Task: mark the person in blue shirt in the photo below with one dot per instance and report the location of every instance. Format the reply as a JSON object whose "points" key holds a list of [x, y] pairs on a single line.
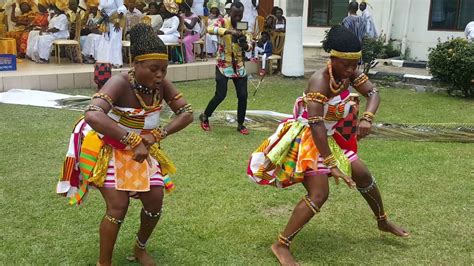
{"points": [[264, 49]]}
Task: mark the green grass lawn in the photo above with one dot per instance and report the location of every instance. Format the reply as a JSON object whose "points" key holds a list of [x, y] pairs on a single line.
{"points": [[216, 216]]}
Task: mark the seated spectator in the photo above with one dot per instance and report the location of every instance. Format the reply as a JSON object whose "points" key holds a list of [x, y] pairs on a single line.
{"points": [[90, 34], [72, 13], [169, 33], [280, 23], [141, 6], [156, 21], [263, 49], [40, 42], [211, 39], [227, 9], [192, 31], [277, 34], [21, 23], [132, 15], [270, 20]]}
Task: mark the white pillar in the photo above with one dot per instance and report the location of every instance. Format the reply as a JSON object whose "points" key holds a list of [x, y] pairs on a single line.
{"points": [[293, 58]]}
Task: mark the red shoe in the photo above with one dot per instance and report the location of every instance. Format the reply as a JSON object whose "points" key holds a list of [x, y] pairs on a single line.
{"points": [[243, 130], [204, 123], [262, 72]]}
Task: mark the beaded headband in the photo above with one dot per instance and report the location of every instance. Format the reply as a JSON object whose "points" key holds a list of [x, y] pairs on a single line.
{"points": [[346, 55], [153, 56]]}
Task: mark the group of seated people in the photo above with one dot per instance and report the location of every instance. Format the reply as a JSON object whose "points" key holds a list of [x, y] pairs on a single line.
{"points": [[40, 24], [271, 40]]}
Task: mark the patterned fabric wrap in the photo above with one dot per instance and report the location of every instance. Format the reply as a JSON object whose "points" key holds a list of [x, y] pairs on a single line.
{"points": [[102, 73], [94, 159], [289, 154]]}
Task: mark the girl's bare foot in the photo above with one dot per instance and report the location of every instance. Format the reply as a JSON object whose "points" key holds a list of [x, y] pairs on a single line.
{"points": [[386, 226], [143, 257], [283, 254]]}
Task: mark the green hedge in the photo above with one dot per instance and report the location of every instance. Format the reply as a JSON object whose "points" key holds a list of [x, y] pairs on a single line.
{"points": [[452, 62]]}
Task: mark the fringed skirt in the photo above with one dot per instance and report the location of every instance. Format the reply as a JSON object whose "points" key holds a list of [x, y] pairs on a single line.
{"points": [[94, 160], [290, 155]]}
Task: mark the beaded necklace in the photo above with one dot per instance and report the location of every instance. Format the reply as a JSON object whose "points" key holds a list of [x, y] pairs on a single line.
{"points": [[335, 87], [137, 89], [136, 85]]}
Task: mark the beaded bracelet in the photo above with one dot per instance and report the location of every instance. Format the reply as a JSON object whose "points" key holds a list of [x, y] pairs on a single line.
{"points": [[131, 139], [368, 116], [315, 119], [92, 107], [188, 108], [330, 161], [159, 134]]}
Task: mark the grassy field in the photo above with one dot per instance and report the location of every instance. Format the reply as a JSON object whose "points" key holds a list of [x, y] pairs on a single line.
{"points": [[216, 216]]}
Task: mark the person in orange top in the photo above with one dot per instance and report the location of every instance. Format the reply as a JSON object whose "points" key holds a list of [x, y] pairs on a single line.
{"points": [[40, 21], [21, 22]]}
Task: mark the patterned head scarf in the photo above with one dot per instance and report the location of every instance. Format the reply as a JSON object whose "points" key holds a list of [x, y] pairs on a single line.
{"points": [[62, 5], [171, 6], [92, 3]]}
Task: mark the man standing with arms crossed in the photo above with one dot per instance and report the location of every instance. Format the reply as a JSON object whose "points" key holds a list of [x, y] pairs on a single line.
{"points": [[230, 65]]}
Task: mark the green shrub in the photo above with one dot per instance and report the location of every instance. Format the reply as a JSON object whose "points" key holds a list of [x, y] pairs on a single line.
{"points": [[389, 51], [372, 48], [452, 62]]}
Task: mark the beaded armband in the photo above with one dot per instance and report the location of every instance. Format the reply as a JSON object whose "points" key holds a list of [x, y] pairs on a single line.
{"points": [[368, 116], [188, 108], [372, 92], [176, 97], [104, 97], [159, 133], [330, 161], [315, 119], [94, 108], [361, 79], [316, 97], [131, 139]]}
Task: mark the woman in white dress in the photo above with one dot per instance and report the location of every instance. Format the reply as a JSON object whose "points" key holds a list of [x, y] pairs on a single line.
{"points": [[169, 32], [154, 15], [90, 42], [40, 43], [110, 46]]}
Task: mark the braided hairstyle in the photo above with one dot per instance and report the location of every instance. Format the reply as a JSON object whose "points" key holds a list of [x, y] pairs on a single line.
{"points": [[143, 40], [341, 39]]}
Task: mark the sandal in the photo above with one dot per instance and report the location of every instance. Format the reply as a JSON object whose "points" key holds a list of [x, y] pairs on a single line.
{"points": [[243, 130], [204, 123]]}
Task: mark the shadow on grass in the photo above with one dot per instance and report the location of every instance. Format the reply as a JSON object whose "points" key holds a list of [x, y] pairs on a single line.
{"points": [[329, 246]]}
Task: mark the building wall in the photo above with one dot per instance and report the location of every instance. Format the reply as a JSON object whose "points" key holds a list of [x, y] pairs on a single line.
{"points": [[419, 38]]}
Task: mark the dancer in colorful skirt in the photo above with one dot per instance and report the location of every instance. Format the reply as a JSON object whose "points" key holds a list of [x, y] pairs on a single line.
{"points": [[116, 146], [311, 146]]}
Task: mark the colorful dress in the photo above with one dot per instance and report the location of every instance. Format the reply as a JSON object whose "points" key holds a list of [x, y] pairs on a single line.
{"points": [[19, 30], [97, 160], [287, 156], [230, 59], [41, 21]]}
